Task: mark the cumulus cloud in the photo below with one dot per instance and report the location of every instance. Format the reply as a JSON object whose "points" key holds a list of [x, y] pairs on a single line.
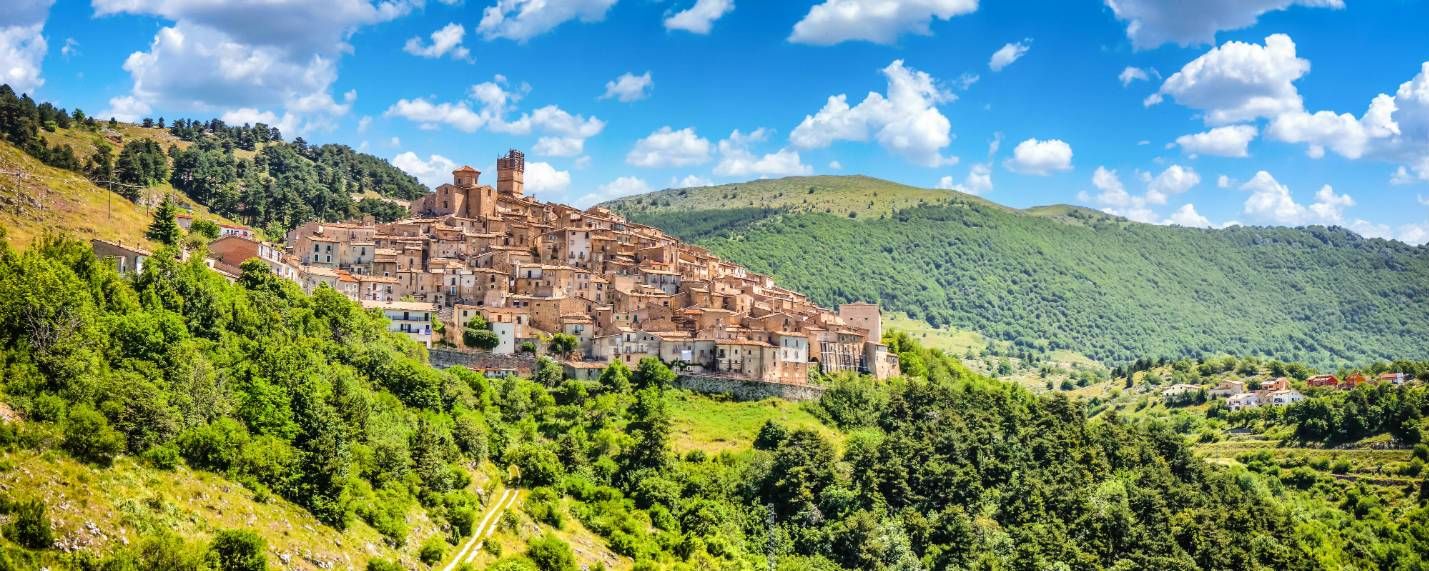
{"points": [[699, 18], [877, 21], [1008, 53], [1040, 158], [667, 147], [1224, 181], [489, 105], [978, 181], [629, 87], [622, 186], [1272, 201], [1176, 179], [1238, 81], [1228, 141], [1131, 74], [542, 177], [1114, 198], [22, 44], [222, 55], [691, 181], [522, 20], [736, 159], [1151, 23], [906, 121], [445, 41], [434, 171], [1187, 216]]}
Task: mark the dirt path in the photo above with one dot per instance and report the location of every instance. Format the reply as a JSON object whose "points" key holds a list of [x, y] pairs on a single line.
{"points": [[472, 546]]}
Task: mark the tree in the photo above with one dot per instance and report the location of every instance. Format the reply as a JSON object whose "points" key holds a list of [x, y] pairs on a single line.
{"points": [[615, 377], [549, 372], [239, 550], [88, 436], [31, 526], [205, 228], [478, 334], [652, 372], [165, 227], [563, 344]]}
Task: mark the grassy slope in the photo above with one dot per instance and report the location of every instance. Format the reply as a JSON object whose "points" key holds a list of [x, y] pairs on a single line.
{"points": [[863, 196], [130, 498], [714, 425], [1068, 278], [45, 197]]}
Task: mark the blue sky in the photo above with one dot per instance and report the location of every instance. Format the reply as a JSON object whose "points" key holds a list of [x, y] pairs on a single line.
{"points": [[1199, 113]]}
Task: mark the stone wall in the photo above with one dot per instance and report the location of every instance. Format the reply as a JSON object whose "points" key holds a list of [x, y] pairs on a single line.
{"points": [[445, 357], [744, 389]]}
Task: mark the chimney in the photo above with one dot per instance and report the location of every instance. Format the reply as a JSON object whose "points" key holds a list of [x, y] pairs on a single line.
{"points": [[511, 173]]}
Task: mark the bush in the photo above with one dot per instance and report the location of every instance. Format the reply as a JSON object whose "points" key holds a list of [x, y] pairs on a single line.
{"points": [[31, 527], [213, 446], [239, 550], [88, 437], [383, 565], [165, 457], [1340, 466], [549, 553], [432, 551]]}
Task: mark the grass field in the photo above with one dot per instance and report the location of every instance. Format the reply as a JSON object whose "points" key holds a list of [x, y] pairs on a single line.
{"points": [[714, 425], [842, 196], [100, 508]]}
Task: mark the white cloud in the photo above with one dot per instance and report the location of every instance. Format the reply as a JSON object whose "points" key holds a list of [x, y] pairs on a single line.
{"points": [[836, 166], [1131, 74], [691, 181], [1271, 201], [1238, 81], [699, 18], [126, 108], [364, 123], [1224, 181], [542, 177], [736, 160], [978, 181], [945, 183], [1150, 23], [1040, 158], [446, 40], [629, 87], [878, 21], [1176, 179], [667, 147], [22, 44], [489, 106], [228, 55], [1228, 141], [1401, 177], [430, 115], [522, 20], [433, 172], [1188, 217], [906, 122], [70, 48], [622, 186], [1008, 54]]}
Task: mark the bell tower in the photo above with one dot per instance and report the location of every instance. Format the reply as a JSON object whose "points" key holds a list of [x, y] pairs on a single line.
{"points": [[511, 173]]}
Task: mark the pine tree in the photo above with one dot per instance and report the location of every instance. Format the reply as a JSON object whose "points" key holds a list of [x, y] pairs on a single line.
{"points": [[165, 229]]}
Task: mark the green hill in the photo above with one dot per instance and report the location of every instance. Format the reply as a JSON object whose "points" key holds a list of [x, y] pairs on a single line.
{"points": [[1061, 277]]}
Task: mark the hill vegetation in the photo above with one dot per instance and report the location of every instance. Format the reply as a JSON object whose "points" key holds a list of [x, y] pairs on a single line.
{"points": [[1064, 278]]}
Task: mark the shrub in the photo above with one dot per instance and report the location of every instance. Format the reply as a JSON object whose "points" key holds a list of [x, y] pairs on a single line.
{"points": [[88, 436], [549, 553], [31, 527], [1340, 466], [432, 550], [214, 446], [239, 550], [165, 457], [383, 565]]}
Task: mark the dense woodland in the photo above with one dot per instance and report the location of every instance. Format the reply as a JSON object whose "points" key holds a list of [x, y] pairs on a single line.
{"points": [[244, 172], [309, 398], [1083, 281]]}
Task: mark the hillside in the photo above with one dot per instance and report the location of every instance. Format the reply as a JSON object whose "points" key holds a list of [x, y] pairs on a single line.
{"points": [[1055, 278]]}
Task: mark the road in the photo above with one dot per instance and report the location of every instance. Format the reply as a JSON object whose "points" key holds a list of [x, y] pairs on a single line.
{"points": [[472, 546]]}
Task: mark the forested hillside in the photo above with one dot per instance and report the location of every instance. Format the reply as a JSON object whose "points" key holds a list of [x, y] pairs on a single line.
{"points": [[308, 398], [1068, 278], [247, 173]]}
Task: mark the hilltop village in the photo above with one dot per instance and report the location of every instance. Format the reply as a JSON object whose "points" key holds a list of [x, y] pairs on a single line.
{"points": [[530, 270]]}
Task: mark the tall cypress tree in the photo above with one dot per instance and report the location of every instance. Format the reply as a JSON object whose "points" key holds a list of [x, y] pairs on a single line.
{"points": [[165, 228]]}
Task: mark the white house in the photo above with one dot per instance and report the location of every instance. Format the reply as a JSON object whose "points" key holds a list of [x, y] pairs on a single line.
{"points": [[1243, 400], [1285, 397], [413, 318]]}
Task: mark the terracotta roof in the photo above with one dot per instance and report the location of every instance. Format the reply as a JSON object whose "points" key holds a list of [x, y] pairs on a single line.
{"points": [[465, 168]]}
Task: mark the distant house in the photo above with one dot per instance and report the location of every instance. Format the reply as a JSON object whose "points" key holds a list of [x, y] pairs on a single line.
{"points": [[1243, 400], [1180, 390], [1396, 378], [1353, 380], [1283, 398], [1323, 381], [1227, 388], [409, 317], [126, 259], [1279, 384]]}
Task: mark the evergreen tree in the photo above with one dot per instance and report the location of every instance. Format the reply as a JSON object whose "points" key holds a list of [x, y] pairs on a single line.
{"points": [[165, 227]]}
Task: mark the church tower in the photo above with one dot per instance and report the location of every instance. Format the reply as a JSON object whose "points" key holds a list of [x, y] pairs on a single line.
{"points": [[511, 173]]}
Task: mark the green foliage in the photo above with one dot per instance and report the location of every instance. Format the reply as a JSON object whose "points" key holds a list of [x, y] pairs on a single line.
{"points": [[30, 525], [205, 228], [432, 550], [549, 553], [165, 228], [88, 436], [479, 335], [239, 550], [615, 377], [563, 344], [652, 373], [1073, 279], [548, 372], [383, 565]]}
